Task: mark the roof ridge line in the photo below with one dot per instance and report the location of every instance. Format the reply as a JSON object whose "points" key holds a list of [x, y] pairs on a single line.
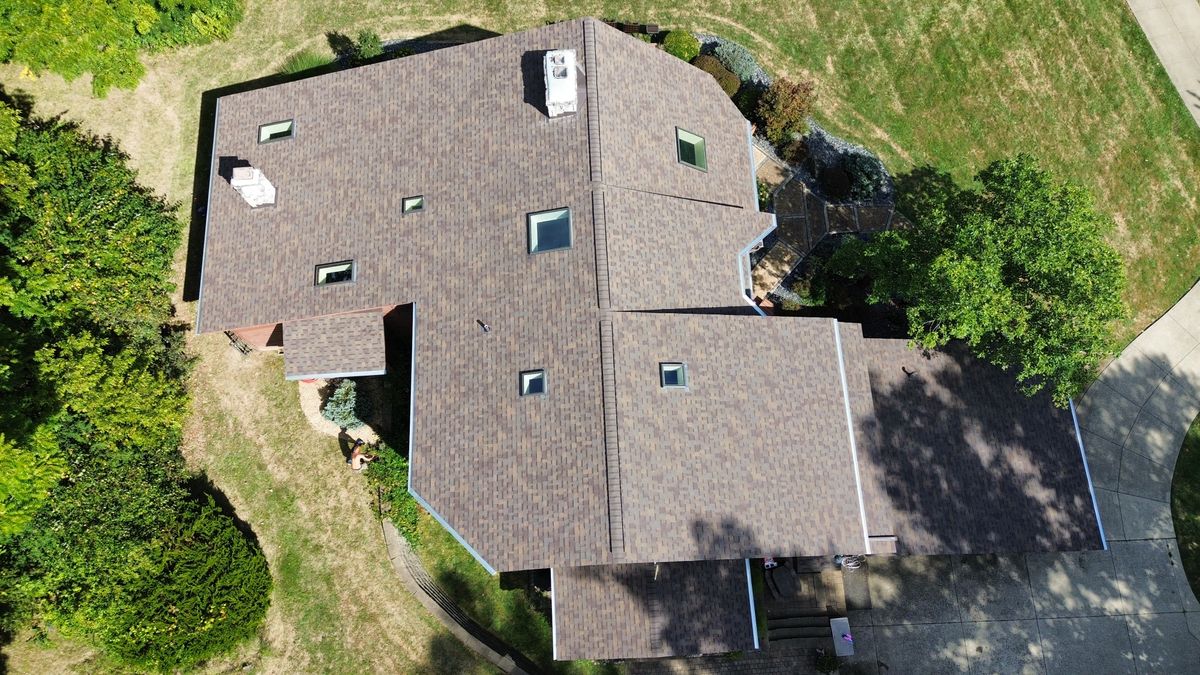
{"points": [[591, 74], [612, 445]]}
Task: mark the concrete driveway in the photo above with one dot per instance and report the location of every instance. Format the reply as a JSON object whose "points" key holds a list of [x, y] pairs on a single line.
{"points": [[1173, 28]]}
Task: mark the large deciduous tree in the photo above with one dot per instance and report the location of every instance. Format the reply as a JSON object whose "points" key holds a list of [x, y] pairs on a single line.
{"points": [[1017, 267]]}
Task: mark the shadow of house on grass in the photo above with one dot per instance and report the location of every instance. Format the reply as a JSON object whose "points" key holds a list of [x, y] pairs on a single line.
{"points": [[202, 166]]}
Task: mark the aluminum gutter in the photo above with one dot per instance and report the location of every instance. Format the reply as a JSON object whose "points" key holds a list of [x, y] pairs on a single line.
{"points": [[1087, 472], [749, 590], [862, 508], [742, 271], [553, 620], [330, 376], [753, 169]]}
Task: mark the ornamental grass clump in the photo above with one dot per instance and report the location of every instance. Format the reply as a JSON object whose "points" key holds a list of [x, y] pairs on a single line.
{"points": [[737, 59], [303, 61]]}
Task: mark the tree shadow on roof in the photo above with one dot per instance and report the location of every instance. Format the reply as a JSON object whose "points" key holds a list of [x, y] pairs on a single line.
{"points": [[694, 607], [960, 461], [202, 167]]}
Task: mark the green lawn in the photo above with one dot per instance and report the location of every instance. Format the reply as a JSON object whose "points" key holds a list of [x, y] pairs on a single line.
{"points": [[510, 614], [921, 82], [1185, 505], [958, 84]]}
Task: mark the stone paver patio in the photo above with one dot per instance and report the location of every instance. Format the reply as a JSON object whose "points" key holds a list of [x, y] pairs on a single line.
{"points": [[1125, 610]]}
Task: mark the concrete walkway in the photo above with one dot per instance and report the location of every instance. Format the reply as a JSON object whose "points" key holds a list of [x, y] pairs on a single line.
{"points": [[1125, 610], [1173, 28]]}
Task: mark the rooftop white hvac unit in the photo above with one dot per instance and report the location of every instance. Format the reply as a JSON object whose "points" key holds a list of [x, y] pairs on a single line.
{"points": [[253, 186], [560, 82]]}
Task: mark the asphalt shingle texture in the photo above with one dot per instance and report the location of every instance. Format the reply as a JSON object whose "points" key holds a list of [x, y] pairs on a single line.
{"points": [[622, 611], [963, 462], [523, 480], [752, 458], [341, 345]]}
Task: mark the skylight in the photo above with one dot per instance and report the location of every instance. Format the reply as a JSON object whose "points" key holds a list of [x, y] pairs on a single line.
{"points": [[549, 230], [275, 131], [672, 375], [533, 383], [413, 204], [335, 273], [691, 149]]}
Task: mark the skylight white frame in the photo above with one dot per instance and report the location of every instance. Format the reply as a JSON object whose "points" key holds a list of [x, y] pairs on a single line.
{"points": [[680, 367], [533, 220], [338, 266], [528, 376], [265, 131]]}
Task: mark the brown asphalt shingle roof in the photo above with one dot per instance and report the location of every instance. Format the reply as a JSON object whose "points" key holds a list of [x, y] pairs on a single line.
{"points": [[961, 462], [524, 481], [752, 458], [755, 458], [622, 611], [660, 241], [341, 345]]}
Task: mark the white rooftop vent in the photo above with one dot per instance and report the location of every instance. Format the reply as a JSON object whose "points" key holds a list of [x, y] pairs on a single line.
{"points": [[560, 82], [253, 186]]}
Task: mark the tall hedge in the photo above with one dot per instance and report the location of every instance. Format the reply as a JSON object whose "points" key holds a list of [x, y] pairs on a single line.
{"points": [[202, 589], [103, 37], [101, 533]]}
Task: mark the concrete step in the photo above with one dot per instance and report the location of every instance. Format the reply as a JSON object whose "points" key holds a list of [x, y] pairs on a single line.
{"points": [[799, 632], [790, 610], [798, 622], [802, 643]]}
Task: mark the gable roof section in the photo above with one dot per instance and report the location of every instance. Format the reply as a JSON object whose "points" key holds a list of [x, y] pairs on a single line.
{"points": [[623, 611], [462, 127], [645, 94], [960, 461], [345, 345], [656, 245], [725, 468], [365, 138]]}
